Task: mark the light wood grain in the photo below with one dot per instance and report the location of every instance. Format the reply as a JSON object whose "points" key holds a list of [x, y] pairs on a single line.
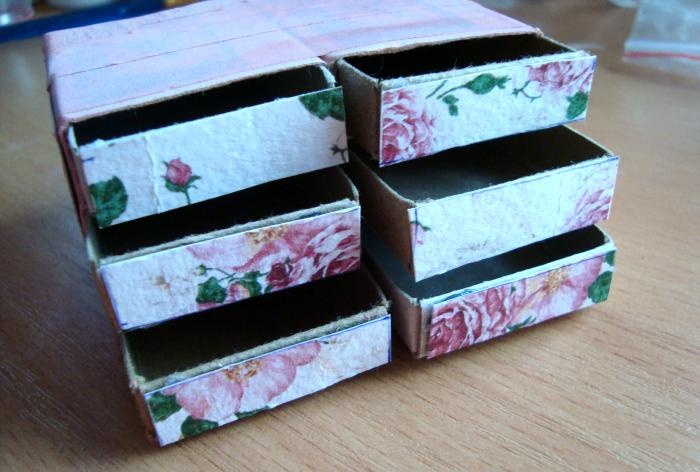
{"points": [[615, 387]]}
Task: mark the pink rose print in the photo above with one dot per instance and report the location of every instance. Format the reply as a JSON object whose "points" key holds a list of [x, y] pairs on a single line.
{"points": [[178, 173], [406, 127], [286, 256], [561, 290], [279, 275], [484, 315], [447, 332], [251, 385], [334, 251], [178, 177], [213, 397], [590, 209], [567, 76]]}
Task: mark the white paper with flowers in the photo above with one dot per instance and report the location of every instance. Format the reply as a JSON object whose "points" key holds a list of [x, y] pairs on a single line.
{"points": [[450, 232], [249, 387], [494, 311], [185, 279], [488, 102], [170, 167]]}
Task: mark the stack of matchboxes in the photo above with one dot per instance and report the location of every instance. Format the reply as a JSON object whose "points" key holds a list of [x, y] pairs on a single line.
{"points": [[225, 237], [480, 204]]}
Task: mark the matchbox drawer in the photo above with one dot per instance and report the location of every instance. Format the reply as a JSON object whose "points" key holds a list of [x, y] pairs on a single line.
{"points": [[198, 373], [496, 296], [478, 201], [156, 157], [278, 235], [417, 101]]}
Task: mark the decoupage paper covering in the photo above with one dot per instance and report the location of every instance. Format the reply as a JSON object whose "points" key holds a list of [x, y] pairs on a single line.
{"points": [[186, 279], [167, 168], [425, 118], [221, 41], [249, 387], [477, 317], [453, 231]]}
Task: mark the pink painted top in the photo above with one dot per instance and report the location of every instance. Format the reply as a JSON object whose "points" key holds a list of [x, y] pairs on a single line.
{"points": [[108, 67]]}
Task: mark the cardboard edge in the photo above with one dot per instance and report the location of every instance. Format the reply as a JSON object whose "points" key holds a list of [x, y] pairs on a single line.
{"points": [[137, 394], [361, 95], [405, 310], [386, 211]]}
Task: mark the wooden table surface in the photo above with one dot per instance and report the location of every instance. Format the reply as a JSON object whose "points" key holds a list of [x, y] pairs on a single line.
{"points": [[615, 387]]}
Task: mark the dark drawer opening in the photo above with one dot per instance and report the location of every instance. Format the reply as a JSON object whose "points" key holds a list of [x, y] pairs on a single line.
{"points": [[455, 55], [210, 102]]}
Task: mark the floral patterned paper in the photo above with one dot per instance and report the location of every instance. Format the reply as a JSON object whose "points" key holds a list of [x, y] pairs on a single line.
{"points": [[231, 268], [179, 178], [289, 255], [249, 387], [449, 232], [173, 166], [423, 119], [484, 315]]}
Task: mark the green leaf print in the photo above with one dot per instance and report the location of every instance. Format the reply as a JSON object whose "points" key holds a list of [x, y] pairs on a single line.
{"points": [[110, 198], [484, 83], [211, 292], [325, 103], [250, 282], [577, 105], [480, 85], [451, 102], [598, 291], [162, 406], [610, 258], [191, 426], [245, 414], [526, 322]]}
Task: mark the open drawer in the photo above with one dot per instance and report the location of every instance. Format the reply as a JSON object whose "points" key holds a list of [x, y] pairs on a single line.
{"points": [[277, 235], [477, 201], [197, 373], [495, 296], [154, 157], [410, 103]]}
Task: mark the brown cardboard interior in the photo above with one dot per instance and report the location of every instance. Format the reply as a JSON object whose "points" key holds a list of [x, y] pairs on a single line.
{"points": [[274, 198], [454, 55], [202, 104], [534, 255], [488, 163], [273, 321]]}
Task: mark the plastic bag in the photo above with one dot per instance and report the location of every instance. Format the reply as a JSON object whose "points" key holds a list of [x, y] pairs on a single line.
{"points": [[666, 36]]}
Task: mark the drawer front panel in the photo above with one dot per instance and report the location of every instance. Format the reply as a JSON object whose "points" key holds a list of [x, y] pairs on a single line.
{"points": [[454, 231], [477, 317], [423, 119], [174, 166], [249, 387], [155, 287]]}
